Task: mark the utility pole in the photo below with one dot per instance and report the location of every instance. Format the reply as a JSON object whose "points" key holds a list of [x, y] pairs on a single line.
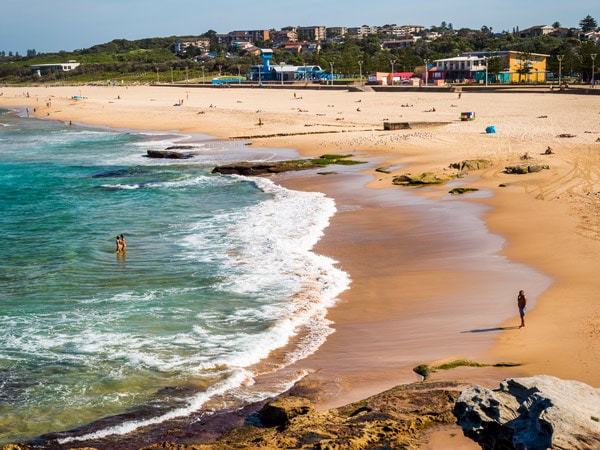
{"points": [[593, 55]]}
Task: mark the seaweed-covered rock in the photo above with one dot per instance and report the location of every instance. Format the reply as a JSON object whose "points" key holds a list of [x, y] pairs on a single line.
{"points": [[253, 169], [462, 190], [408, 179]]}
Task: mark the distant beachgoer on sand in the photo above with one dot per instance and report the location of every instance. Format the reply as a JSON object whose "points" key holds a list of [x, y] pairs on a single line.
{"points": [[522, 304]]}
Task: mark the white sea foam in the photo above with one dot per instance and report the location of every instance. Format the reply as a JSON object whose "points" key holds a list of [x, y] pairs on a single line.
{"points": [[266, 252]]}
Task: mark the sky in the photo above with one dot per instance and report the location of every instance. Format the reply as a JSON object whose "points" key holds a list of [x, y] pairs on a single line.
{"points": [[54, 25]]}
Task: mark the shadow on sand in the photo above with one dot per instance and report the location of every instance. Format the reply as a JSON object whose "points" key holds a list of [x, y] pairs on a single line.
{"points": [[487, 330]]}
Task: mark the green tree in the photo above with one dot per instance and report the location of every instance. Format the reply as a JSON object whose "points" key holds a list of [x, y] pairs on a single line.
{"points": [[495, 65], [524, 67], [588, 23]]}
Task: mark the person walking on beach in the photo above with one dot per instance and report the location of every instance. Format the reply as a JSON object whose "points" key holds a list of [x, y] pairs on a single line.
{"points": [[522, 304]]}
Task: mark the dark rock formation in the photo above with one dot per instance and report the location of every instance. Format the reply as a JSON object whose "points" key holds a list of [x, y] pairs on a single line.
{"points": [[253, 169], [535, 413], [168, 154], [524, 168], [462, 190], [279, 412], [390, 126]]}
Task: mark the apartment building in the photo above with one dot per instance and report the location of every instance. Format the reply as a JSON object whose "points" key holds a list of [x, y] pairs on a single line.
{"points": [[312, 33], [362, 31]]}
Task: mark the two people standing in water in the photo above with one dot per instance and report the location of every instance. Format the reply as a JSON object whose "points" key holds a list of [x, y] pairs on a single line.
{"points": [[121, 244]]}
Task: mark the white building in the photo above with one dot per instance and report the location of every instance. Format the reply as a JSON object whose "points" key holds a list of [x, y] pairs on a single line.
{"points": [[43, 69]]}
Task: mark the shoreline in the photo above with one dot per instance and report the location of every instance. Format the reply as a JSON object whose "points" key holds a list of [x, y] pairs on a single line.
{"points": [[365, 313]]}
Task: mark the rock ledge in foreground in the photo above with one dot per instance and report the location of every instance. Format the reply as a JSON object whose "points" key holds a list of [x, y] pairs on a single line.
{"points": [[535, 413]]}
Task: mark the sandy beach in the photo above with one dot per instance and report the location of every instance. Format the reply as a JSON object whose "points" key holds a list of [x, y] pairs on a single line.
{"points": [[449, 291]]}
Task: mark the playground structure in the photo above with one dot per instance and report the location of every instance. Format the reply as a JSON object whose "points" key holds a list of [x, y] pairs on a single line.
{"points": [[284, 72]]}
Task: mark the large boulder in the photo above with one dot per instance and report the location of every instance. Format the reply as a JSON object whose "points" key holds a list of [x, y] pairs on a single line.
{"points": [[535, 413], [280, 411], [525, 168], [471, 164]]}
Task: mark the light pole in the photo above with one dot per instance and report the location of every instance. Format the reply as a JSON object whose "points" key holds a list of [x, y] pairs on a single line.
{"points": [[392, 61], [560, 58], [331, 63], [157, 78], [220, 67], [426, 62], [485, 61], [239, 75], [593, 55], [305, 74], [171, 75], [282, 65], [360, 63], [259, 79], [202, 73]]}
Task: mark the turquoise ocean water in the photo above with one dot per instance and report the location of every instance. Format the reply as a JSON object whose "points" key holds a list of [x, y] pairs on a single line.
{"points": [[218, 273]]}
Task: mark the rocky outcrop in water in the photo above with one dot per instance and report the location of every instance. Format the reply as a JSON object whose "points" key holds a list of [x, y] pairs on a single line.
{"points": [[253, 169], [170, 154], [535, 413]]}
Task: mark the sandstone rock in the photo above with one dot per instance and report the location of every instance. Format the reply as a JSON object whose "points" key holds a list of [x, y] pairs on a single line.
{"points": [[422, 179], [279, 412], [535, 413], [524, 168], [393, 419], [472, 164], [537, 168]]}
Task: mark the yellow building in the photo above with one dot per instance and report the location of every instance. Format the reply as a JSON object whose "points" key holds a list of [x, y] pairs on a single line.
{"points": [[523, 67], [516, 67]]}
